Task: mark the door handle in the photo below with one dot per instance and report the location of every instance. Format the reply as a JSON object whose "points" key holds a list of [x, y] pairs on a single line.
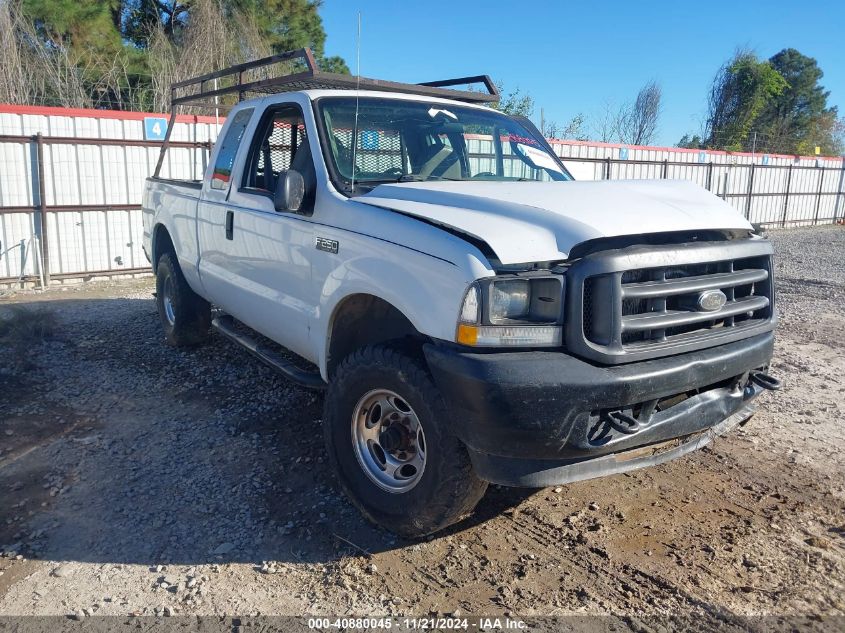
{"points": [[230, 223]]}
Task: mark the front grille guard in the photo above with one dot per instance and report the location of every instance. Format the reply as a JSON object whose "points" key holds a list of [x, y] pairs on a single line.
{"points": [[590, 321]]}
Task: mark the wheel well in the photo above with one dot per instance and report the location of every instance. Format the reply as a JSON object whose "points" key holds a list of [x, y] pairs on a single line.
{"points": [[161, 244], [364, 319]]}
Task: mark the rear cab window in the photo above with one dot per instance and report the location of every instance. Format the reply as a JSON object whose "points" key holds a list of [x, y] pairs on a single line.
{"points": [[222, 174]]}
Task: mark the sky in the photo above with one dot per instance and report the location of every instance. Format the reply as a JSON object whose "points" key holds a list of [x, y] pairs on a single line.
{"points": [[577, 57]]}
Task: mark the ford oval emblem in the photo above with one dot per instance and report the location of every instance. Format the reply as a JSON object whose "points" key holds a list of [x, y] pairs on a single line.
{"points": [[711, 300]]}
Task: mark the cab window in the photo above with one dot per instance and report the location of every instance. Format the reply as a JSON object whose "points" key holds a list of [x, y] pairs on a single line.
{"points": [[222, 173], [280, 144]]}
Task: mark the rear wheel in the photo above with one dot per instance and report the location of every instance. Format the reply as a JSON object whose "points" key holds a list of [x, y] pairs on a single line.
{"points": [[386, 430], [185, 316]]}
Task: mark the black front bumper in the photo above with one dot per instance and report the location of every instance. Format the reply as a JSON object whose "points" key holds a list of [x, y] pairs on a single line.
{"points": [[533, 418]]}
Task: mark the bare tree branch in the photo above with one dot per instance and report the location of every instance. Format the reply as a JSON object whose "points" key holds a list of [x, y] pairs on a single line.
{"points": [[35, 71], [637, 122], [606, 124], [209, 42]]}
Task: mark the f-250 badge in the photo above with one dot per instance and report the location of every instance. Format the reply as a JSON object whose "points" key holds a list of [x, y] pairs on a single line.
{"points": [[325, 244]]}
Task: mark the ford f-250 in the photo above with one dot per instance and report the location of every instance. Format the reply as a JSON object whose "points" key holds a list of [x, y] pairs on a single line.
{"points": [[473, 313]]}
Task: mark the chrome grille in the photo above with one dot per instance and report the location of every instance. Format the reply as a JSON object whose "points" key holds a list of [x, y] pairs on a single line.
{"points": [[643, 302]]}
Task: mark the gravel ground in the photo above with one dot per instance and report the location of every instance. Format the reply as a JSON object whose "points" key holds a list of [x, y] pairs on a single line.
{"points": [[140, 479]]}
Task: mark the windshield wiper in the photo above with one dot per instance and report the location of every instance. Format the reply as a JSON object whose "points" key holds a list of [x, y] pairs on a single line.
{"points": [[418, 178], [371, 184]]}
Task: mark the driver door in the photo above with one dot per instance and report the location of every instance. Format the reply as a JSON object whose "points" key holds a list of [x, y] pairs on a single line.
{"points": [[270, 251]]}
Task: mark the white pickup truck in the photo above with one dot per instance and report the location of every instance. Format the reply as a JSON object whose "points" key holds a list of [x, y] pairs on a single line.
{"points": [[473, 313]]}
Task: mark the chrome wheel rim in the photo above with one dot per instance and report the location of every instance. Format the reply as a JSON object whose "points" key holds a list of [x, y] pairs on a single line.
{"points": [[167, 301], [389, 441]]}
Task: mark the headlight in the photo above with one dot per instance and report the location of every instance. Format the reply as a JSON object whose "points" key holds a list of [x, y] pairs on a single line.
{"points": [[512, 312], [509, 300], [471, 309]]}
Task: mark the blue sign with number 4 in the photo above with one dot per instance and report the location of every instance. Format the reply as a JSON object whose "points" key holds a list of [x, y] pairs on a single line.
{"points": [[155, 128], [369, 139]]}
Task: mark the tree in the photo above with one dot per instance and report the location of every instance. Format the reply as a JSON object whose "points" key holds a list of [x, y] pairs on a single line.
{"points": [[282, 25], [144, 17], [839, 137], [691, 142], [202, 45], [574, 130], [16, 87], [124, 53], [797, 119], [514, 102], [88, 28], [742, 89], [606, 123], [290, 24], [65, 53], [637, 121], [779, 102], [632, 123]]}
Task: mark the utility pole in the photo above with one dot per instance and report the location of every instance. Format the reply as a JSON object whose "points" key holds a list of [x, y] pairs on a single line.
{"points": [[543, 122], [754, 146]]}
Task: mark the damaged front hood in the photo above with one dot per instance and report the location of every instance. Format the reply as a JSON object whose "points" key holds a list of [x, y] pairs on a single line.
{"points": [[541, 221]]}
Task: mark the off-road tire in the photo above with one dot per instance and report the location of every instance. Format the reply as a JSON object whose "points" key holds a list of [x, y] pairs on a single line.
{"points": [[185, 316], [448, 488]]}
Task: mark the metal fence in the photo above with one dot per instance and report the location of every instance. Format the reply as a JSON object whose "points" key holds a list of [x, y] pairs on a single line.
{"points": [[50, 238], [770, 195], [71, 184]]}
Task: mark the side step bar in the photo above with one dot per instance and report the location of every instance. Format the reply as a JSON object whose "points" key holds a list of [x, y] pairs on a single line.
{"points": [[226, 326]]}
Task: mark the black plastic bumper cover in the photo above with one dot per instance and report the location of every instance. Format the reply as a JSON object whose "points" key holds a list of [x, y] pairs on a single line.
{"points": [[525, 413]]}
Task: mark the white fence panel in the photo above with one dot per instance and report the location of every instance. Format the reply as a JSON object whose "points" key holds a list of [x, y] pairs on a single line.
{"points": [[17, 245], [84, 174]]}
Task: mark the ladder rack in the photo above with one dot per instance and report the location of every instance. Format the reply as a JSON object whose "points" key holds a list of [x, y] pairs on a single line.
{"points": [[297, 70], [262, 76]]}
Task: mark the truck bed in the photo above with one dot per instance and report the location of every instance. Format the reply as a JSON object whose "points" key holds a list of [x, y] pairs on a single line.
{"points": [[173, 202]]}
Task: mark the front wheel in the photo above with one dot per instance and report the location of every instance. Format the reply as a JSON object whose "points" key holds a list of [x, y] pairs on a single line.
{"points": [[185, 316], [385, 424]]}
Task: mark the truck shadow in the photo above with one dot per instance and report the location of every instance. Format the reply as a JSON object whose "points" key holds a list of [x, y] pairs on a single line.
{"points": [[117, 448]]}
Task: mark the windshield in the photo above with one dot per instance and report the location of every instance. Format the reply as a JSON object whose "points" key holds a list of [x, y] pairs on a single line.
{"points": [[407, 141]]}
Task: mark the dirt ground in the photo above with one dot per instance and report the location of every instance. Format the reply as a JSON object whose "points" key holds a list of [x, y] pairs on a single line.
{"points": [[140, 479]]}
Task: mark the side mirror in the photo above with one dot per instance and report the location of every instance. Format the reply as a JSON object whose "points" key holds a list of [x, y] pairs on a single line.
{"points": [[290, 191]]}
